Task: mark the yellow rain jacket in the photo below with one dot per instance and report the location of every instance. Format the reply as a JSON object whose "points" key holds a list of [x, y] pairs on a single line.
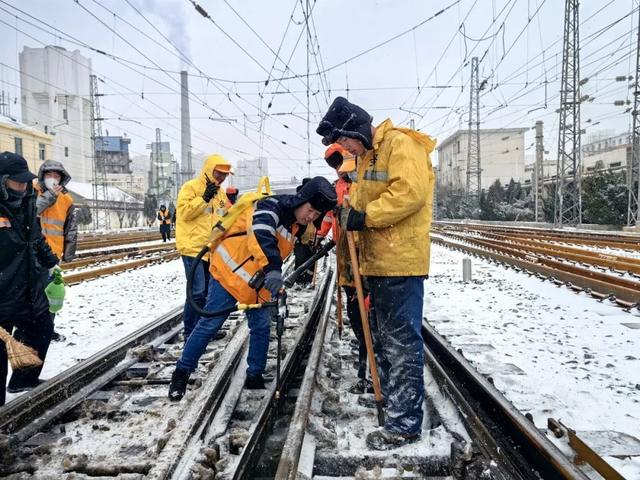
{"points": [[395, 190], [194, 217]]}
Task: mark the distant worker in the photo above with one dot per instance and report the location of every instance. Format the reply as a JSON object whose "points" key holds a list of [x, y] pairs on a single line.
{"points": [[57, 214], [25, 258], [259, 240], [232, 195], [164, 217], [201, 202], [345, 165], [392, 213]]}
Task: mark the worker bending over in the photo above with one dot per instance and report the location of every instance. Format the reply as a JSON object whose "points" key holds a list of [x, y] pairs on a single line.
{"points": [[259, 240]]}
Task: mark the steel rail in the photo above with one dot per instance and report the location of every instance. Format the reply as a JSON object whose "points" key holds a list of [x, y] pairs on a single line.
{"points": [[290, 364], [77, 277], [41, 404], [596, 284], [97, 257], [511, 439], [290, 456]]}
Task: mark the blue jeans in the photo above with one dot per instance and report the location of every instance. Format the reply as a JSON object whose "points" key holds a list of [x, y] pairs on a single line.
{"points": [[396, 319], [259, 325], [199, 288]]}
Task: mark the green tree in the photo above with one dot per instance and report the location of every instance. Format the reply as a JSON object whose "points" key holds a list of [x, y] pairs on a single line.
{"points": [[604, 198]]}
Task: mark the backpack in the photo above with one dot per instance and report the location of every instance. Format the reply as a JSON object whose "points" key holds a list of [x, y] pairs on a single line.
{"points": [[229, 218]]}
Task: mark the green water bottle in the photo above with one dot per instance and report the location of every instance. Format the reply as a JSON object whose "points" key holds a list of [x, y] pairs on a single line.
{"points": [[55, 291]]}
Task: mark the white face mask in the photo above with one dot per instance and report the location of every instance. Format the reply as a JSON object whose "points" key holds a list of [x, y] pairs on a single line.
{"points": [[51, 182]]}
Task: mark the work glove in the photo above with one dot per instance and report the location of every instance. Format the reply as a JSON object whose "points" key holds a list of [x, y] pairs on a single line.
{"points": [[210, 191], [273, 282], [350, 219]]}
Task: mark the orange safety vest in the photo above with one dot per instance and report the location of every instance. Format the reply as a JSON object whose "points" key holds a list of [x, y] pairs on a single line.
{"points": [[239, 256], [52, 222], [164, 215]]}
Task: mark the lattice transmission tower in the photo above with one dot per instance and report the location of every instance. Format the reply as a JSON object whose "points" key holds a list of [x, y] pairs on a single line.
{"points": [[474, 166], [568, 198]]}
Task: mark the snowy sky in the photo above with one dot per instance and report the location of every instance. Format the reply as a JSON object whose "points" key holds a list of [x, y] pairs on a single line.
{"points": [[519, 42]]}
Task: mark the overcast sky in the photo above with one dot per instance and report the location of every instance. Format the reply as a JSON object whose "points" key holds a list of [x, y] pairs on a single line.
{"points": [[422, 75]]}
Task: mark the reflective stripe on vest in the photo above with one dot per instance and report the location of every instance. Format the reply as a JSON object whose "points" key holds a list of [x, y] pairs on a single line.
{"points": [[233, 265], [376, 176], [285, 233], [51, 231], [267, 212], [267, 228]]}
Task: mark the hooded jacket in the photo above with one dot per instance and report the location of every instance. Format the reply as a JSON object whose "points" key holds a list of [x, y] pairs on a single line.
{"points": [[194, 217], [395, 190], [25, 258], [262, 237], [57, 213]]}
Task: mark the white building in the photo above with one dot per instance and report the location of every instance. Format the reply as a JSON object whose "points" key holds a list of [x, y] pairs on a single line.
{"points": [[606, 151], [55, 98], [501, 154], [247, 173]]}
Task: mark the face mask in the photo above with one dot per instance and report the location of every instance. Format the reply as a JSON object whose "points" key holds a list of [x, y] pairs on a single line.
{"points": [[15, 197], [51, 182]]}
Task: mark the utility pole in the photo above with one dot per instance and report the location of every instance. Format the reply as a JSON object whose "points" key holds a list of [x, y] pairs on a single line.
{"points": [[568, 200], [101, 216], [306, 17], [474, 169], [633, 170], [538, 174]]}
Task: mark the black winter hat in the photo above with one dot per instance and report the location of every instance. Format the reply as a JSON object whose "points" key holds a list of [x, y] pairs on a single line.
{"points": [[345, 119], [15, 166], [319, 193]]}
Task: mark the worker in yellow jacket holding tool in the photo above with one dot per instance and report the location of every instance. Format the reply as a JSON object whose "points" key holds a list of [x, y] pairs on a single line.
{"points": [[201, 202], [392, 215]]}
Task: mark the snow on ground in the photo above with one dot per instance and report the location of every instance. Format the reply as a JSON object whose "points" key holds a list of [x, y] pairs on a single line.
{"points": [[100, 312], [552, 352]]}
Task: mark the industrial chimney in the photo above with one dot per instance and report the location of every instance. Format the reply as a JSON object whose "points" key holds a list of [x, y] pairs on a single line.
{"points": [[185, 129]]}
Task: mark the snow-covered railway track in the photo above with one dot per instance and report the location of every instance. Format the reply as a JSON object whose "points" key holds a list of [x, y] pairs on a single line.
{"points": [[618, 240], [110, 416], [623, 291], [109, 240], [74, 277], [93, 258]]}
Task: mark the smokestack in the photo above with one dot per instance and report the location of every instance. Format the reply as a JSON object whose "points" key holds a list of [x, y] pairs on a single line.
{"points": [[185, 128]]}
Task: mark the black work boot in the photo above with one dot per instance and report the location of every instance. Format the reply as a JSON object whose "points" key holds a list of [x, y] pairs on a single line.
{"points": [[384, 440], [361, 386], [178, 386], [254, 382]]}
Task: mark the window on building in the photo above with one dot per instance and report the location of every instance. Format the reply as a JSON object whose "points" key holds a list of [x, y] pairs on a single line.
{"points": [[615, 164], [18, 145], [64, 114], [458, 146], [41, 152], [66, 151]]}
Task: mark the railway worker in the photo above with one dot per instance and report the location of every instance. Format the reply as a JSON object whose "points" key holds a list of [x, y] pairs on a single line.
{"points": [[56, 210], [164, 217], [25, 258], [392, 213], [201, 202], [345, 165], [57, 214], [259, 240]]}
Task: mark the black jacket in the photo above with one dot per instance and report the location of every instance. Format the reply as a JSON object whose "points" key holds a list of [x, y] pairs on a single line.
{"points": [[25, 258]]}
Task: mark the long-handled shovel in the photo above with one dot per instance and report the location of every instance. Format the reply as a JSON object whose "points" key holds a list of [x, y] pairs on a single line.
{"points": [[373, 368], [19, 355]]}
